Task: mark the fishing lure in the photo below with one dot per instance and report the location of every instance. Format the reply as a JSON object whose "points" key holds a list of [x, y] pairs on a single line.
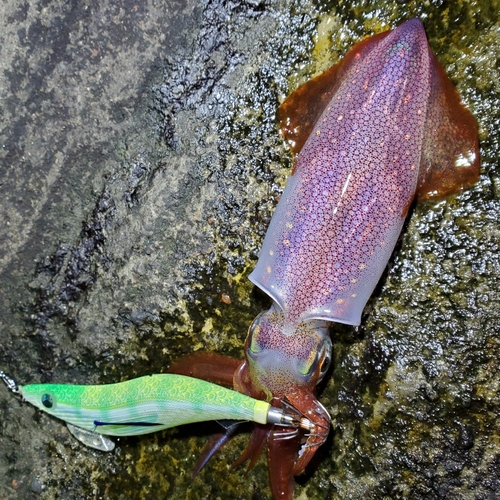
{"points": [[149, 404], [378, 130]]}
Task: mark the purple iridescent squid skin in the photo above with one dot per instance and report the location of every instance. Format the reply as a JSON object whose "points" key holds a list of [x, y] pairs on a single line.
{"points": [[378, 130], [343, 209]]}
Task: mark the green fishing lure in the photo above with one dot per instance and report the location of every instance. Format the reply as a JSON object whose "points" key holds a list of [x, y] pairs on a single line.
{"points": [[148, 404], [143, 405]]}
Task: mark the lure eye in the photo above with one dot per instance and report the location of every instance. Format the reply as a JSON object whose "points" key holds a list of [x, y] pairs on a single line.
{"points": [[47, 401]]}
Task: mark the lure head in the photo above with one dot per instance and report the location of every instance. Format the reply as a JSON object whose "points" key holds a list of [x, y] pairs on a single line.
{"points": [[44, 396], [283, 364], [59, 400]]}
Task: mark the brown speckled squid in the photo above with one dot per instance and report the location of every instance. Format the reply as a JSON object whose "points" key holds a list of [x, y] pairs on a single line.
{"points": [[378, 130]]}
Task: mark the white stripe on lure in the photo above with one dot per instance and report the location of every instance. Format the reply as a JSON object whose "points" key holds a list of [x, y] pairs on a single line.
{"points": [[149, 404]]}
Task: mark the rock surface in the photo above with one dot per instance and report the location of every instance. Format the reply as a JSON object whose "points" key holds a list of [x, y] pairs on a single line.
{"points": [[140, 167]]}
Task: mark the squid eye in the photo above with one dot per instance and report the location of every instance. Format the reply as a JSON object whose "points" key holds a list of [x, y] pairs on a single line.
{"points": [[318, 361], [325, 358], [253, 335], [308, 366], [324, 366], [47, 401]]}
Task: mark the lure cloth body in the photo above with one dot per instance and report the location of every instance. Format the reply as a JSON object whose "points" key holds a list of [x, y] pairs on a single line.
{"points": [[143, 405]]}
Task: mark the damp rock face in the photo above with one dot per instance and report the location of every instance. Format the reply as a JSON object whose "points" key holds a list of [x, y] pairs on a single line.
{"points": [[140, 167]]}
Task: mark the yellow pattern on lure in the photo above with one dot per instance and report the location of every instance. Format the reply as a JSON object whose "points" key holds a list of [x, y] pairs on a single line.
{"points": [[152, 403]]}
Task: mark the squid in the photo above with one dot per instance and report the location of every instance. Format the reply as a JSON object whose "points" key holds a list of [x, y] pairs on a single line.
{"points": [[380, 129]]}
